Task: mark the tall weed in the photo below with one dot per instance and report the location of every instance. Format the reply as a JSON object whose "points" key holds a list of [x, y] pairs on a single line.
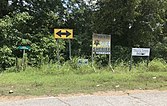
{"points": [[72, 67], [157, 65], [121, 66]]}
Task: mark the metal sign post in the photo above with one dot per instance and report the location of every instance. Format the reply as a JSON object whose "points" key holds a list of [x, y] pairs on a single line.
{"points": [[92, 53], [69, 49], [148, 58], [58, 56], [92, 57], [131, 59], [23, 60], [110, 51], [109, 60], [24, 48]]}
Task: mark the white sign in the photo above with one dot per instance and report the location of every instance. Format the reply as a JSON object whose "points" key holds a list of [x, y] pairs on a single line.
{"points": [[140, 51]]}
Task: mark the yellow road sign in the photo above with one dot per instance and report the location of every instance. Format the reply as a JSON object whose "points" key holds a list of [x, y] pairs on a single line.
{"points": [[63, 33]]}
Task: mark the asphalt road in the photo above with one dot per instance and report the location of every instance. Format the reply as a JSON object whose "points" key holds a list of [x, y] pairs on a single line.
{"points": [[139, 99]]}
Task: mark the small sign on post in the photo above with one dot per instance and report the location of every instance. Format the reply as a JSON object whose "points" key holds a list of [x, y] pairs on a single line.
{"points": [[24, 48], [82, 61], [139, 52]]}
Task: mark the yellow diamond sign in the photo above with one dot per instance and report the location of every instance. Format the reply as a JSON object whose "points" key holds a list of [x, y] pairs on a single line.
{"points": [[63, 33]]}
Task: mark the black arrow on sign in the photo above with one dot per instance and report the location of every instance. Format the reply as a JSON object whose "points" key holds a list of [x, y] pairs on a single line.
{"points": [[63, 33]]}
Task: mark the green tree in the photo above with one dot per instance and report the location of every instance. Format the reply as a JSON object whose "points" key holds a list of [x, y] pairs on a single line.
{"points": [[3, 8], [131, 22], [78, 17], [9, 34], [31, 23]]}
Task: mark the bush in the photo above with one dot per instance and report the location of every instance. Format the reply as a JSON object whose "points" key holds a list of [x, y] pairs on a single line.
{"points": [[56, 69], [6, 59], [69, 67], [157, 65]]}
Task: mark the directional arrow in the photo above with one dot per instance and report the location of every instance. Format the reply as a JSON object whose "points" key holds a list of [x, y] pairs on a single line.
{"points": [[63, 33]]}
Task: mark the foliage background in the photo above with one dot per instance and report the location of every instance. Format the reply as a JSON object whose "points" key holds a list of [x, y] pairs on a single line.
{"points": [[132, 23]]}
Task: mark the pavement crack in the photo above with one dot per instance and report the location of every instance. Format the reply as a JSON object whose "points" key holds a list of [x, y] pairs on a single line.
{"points": [[64, 102], [134, 97], [109, 102]]}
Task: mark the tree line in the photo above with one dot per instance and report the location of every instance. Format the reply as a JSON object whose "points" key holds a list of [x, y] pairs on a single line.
{"points": [[131, 23]]}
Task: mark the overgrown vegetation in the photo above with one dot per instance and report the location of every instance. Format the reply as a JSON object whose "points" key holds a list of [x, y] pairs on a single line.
{"points": [[73, 67], [54, 79]]}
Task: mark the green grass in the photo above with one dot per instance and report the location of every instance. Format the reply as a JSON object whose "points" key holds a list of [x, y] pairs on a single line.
{"points": [[25, 83], [54, 79]]}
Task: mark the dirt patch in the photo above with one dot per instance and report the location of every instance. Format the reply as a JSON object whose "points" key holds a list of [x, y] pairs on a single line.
{"points": [[120, 93], [14, 98], [100, 93], [111, 93]]}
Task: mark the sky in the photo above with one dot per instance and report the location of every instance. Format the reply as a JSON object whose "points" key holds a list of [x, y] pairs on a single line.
{"points": [[93, 1]]}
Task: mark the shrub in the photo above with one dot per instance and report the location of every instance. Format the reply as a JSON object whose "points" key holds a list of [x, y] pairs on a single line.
{"points": [[157, 65]]}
